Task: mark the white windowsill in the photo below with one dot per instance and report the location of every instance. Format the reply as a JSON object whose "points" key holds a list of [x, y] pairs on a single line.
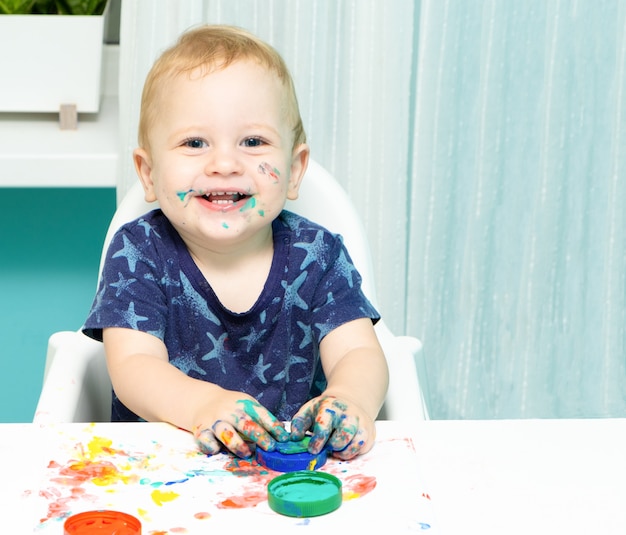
{"points": [[34, 152]]}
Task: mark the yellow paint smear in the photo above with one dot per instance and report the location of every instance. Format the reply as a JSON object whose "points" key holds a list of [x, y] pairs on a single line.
{"points": [[143, 514], [350, 495], [159, 497], [99, 446]]}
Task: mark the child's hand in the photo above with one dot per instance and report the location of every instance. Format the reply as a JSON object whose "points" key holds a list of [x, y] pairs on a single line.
{"points": [[345, 428], [237, 418]]}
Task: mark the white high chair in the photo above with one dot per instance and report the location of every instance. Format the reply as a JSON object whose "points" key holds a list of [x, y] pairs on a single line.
{"points": [[76, 385]]}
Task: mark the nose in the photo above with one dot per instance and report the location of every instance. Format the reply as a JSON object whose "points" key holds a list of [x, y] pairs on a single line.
{"points": [[223, 160]]}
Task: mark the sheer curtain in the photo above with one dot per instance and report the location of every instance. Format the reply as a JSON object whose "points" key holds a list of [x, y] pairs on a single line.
{"points": [[517, 242], [482, 142], [352, 66]]}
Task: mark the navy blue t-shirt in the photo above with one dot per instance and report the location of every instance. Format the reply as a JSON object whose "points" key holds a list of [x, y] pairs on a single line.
{"points": [[150, 283]]}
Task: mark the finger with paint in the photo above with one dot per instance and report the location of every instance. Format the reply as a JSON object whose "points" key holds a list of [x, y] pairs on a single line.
{"points": [[265, 419], [223, 434], [333, 424], [306, 419], [206, 440], [249, 423], [353, 446]]}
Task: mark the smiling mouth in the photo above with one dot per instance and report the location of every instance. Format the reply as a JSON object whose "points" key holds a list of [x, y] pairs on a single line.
{"points": [[225, 197]]}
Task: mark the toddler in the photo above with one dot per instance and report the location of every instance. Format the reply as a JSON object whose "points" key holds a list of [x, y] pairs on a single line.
{"points": [[221, 312]]}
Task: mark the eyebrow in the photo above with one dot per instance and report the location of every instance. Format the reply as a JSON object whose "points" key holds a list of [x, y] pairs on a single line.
{"points": [[261, 126]]}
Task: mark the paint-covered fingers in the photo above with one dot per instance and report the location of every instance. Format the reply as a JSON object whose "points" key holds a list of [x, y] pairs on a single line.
{"points": [[256, 433], [341, 427], [323, 426], [247, 423], [207, 443], [303, 421], [259, 425], [321, 415], [267, 421], [222, 434], [232, 438], [345, 430], [360, 443]]}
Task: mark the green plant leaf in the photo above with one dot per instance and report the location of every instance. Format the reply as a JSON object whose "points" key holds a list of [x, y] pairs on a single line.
{"points": [[81, 7], [44, 7], [52, 7], [16, 7]]}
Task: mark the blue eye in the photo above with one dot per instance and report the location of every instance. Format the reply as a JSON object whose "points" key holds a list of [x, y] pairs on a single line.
{"points": [[194, 143], [253, 142]]}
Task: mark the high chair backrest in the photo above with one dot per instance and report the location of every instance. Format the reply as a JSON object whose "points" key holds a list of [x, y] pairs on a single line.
{"points": [[76, 385]]}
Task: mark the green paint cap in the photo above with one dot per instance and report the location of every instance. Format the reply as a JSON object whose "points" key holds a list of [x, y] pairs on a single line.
{"points": [[304, 493]]}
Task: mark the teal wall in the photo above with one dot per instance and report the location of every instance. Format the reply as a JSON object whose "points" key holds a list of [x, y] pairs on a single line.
{"points": [[50, 244]]}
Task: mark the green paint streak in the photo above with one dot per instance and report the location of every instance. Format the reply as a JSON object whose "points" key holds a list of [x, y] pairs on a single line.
{"points": [[183, 194], [249, 407], [299, 446], [224, 224], [262, 213], [250, 203]]}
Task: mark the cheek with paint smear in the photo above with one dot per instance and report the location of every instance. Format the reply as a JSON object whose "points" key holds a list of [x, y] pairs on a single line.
{"points": [[269, 170]]}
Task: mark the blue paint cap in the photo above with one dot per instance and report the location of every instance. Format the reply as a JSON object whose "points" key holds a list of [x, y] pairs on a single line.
{"points": [[304, 494], [291, 456]]}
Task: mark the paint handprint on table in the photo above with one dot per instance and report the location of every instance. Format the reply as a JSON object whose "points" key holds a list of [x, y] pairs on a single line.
{"points": [[160, 481]]}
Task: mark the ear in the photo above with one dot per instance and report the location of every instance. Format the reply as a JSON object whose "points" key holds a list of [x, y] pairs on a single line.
{"points": [[143, 166], [299, 163]]}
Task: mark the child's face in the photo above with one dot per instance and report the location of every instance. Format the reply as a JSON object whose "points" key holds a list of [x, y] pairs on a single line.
{"points": [[221, 161]]}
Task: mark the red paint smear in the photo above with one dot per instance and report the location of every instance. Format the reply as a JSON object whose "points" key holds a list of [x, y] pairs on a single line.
{"points": [[360, 484], [59, 506], [202, 515], [248, 468], [259, 476], [76, 473], [407, 440], [251, 499]]}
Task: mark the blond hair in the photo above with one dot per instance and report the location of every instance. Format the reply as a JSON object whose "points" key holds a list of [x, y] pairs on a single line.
{"points": [[208, 48]]}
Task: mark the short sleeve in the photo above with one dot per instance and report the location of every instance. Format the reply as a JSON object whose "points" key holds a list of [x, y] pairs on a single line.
{"points": [[338, 296], [130, 292]]}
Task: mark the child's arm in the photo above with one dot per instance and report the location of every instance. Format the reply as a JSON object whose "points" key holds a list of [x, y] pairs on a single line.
{"points": [[357, 376], [152, 388]]}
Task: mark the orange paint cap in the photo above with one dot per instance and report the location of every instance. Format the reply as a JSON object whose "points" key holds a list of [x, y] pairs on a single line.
{"points": [[102, 523]]}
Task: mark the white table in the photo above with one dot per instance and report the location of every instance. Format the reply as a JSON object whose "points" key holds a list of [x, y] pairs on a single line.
{"points": [[452, 477], [155, 473], [558, 477]]}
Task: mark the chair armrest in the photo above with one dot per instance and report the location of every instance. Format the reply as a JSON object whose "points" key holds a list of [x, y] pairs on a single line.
{"points": [[76, 386], [405, 398]]}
